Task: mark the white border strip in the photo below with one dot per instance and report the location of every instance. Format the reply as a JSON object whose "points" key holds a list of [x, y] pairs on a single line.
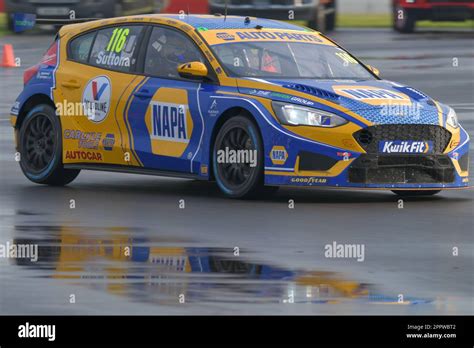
{"points": [[202, 131], [280, 169]]}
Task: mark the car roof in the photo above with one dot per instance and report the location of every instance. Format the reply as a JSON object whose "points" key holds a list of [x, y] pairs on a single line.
{"points": [[218, 22], [209, 22]]}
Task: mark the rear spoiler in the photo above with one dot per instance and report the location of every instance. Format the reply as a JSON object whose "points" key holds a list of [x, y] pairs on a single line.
{"points": [[27, 21]]}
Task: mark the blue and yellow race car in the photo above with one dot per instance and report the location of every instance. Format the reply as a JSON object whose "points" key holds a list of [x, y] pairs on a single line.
{"points": [[250, 103]]}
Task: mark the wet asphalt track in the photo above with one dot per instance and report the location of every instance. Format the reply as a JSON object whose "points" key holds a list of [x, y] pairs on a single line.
{"points": [[281, 268]]}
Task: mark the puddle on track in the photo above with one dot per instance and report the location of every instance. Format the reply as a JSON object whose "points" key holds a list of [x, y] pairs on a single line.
{"points": [[163, 270]]}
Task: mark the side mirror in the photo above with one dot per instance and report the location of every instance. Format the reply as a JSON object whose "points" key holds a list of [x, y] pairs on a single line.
{"points": [[374, 70], [193, 70]]}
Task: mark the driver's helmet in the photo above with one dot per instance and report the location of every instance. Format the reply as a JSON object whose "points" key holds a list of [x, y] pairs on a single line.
{"points": [[174, 48]]}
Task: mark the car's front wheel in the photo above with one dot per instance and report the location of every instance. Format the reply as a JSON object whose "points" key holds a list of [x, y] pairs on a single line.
{"points": [[238, 158], [40, 147], [416, 193]]}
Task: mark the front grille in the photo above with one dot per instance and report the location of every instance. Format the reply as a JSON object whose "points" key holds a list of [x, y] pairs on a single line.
{"points": [[315, 161], [369, 138], [402, 169]]}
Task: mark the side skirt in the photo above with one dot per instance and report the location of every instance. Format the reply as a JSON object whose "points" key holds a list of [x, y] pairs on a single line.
{"points": [[131, 170]]}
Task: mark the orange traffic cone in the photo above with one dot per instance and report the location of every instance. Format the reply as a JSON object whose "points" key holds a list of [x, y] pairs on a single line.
{"points": [[8, 58]]}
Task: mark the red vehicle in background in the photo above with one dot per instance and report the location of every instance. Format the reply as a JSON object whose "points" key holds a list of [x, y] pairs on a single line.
{"points": [[176, 6], [407, 12]]}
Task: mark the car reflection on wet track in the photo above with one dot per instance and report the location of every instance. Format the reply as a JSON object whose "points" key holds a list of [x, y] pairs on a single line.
{"points": [[152, 271]]}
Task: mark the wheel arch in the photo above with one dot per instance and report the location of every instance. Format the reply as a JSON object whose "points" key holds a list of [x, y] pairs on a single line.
{"points": [[30, 103], [224, 117]]}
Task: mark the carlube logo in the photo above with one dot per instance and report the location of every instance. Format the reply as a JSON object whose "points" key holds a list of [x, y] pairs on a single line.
{"points": [[405, 146]]}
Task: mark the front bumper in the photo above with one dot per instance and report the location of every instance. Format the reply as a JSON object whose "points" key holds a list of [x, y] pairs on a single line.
{"points": [[331, 167]]}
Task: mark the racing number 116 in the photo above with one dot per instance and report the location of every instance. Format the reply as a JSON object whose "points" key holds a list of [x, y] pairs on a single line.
{"points": [[118, 39]]}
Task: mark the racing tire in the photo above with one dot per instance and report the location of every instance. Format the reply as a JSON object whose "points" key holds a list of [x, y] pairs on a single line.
{"points": [[406, 22], [239, 180], [415, 193], [40, 147]]}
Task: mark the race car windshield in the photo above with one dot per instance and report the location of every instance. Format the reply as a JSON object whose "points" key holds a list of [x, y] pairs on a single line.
{"points": [[289, 60]]}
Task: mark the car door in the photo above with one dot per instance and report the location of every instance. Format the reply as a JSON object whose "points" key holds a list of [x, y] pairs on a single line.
{"points": [[164, 117], [92, 84]]}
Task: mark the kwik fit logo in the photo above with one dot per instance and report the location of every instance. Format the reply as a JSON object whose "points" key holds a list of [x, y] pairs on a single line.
{"points": [[405, 146]]}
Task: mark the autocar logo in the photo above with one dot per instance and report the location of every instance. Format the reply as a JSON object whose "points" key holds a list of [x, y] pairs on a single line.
{"points": [[225, 36], [96, 98], [405, 146]]}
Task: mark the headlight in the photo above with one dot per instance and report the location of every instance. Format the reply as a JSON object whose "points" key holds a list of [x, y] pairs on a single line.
{"points": [[295, 115], [452, 118]]}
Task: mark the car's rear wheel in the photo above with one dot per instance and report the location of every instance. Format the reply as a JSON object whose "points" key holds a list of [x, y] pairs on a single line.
{"points": [[238, 178], [40, 146], [403, 20], [416, 193]]}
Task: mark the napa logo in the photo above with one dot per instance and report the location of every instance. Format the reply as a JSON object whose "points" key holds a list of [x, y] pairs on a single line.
{"points": [[225, 36], [168, 122], [108, 142], [405, 146], [278, 155], [373, 95]]}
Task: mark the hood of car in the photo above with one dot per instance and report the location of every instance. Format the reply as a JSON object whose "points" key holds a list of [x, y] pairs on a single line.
{"points": [[379, 101]]}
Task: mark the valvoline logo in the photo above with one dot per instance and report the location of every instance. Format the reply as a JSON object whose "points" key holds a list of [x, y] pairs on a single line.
{"points": [[405, 146], [98, 91], [96, 98]]}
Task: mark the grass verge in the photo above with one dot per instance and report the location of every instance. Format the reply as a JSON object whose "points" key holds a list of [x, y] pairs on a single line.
{"points": [[385, 21], [3, 24]]}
